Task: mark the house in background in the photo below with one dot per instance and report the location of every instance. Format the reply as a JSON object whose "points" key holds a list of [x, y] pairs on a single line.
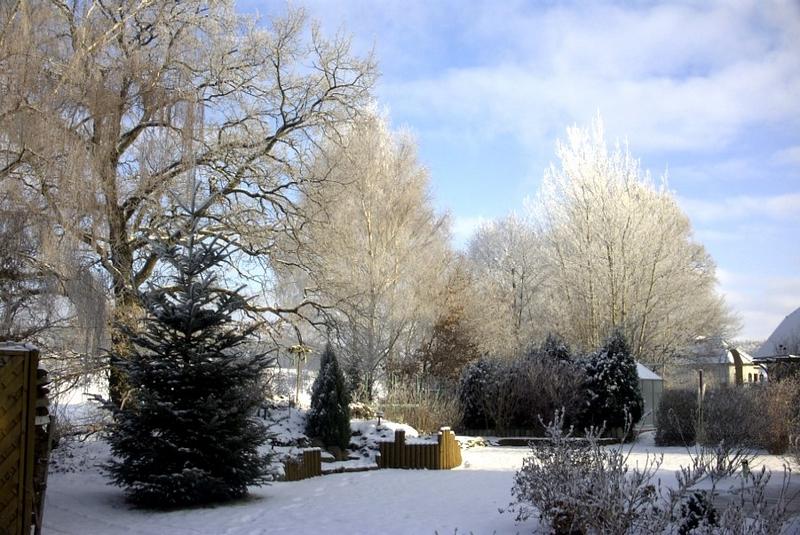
{"points": [[721, 363], [784, 340], [781, 351]]}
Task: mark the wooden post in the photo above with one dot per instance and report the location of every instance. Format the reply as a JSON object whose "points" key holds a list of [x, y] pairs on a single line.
{"points": [[400, 446]]}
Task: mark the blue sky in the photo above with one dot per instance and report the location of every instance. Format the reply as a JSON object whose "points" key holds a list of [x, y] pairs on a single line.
{"points": [[708, 91]]}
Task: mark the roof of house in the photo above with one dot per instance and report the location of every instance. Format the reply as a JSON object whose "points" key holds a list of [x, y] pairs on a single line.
{"points": [[646, 373], [786, 334], [714, 351]]}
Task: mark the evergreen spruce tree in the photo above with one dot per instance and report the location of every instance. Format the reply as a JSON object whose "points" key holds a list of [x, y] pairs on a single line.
{"points": [[613, 385], [186, 434], [329, 416]]}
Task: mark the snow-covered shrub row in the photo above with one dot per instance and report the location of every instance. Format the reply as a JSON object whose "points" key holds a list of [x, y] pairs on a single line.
{"points": [[595, 390], [676, 418], [581, 487], [754, 416], [519, 393]]}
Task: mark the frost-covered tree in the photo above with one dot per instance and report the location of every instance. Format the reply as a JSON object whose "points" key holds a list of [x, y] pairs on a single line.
{"points": [[507, 265], [621, 253], [375, 251], [185, 434], [329, 416], [612, 385], [108, 105]]}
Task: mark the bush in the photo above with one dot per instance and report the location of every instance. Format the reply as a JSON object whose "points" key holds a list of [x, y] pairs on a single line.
{"points": [[780, 404], [731, 415], [612, 384], [547, 385], [676, 418], [477, 380], [424, 409], [581, 487], [329, 416]]}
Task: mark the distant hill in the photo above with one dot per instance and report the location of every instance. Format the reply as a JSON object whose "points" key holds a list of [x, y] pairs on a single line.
{"points": [[785, 339]]}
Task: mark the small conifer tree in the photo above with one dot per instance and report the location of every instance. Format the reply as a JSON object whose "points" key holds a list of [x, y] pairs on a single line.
{"points": [[613, 385], [329, 416], [186, 434]]}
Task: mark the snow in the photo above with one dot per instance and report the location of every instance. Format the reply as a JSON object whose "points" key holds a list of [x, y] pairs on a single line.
{"points": [[787, 333], [382, 501], [465, 499], [646, 373]]}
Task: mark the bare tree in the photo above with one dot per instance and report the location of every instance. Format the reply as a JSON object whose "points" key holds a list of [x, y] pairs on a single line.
{"points": [[112, 106], [621, 253], [376, 251]]}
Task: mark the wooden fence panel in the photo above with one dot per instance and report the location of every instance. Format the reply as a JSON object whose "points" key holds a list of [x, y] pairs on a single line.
{"points": [[308, 465], [18, 365], [442, 455]]}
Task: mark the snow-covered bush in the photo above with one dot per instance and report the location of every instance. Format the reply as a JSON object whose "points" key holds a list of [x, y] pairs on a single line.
{"points": [[329, 416], [697, 512], [577, 486], [361, 410], [731, 415], [612, 386], [676, 418], [477, 380]]}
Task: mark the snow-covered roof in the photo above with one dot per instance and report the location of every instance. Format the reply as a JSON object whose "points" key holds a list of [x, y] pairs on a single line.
{"points": [[646, 373], [785, 335], [715, 351]]}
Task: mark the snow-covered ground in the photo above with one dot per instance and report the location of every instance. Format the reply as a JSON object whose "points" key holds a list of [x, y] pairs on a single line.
{"points": [[381, 501], [465, 499]]}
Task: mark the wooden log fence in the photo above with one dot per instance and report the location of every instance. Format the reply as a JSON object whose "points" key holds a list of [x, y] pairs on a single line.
{"points": [[304, 467], [443, 454]]}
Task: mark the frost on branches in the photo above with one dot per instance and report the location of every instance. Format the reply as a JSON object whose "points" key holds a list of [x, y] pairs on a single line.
{"points": [[185, 434], [578, 486]]}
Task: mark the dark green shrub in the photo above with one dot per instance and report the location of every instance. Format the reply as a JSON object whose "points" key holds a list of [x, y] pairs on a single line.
{"points": [[477, 381], [329, 416], [676, 418], [612, 385]]}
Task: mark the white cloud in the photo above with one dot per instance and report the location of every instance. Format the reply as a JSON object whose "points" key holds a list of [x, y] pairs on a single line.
{"points": [[761, 302], [788, 156], [668, 77], [743, 208]]}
